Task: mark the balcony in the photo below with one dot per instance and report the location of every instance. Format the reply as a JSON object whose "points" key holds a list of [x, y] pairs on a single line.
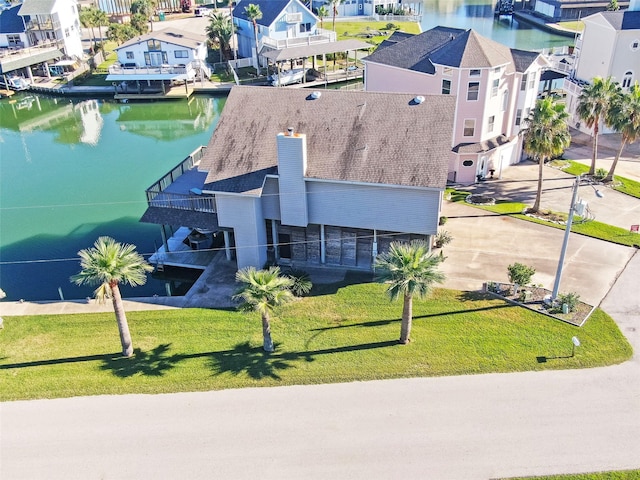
{"points": [[43, 25], [15, 57], [186, 71], [175, 189], [322, 36]]}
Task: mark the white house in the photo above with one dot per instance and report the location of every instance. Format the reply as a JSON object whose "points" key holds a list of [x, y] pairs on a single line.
{"points": [[321, 178], [168, 55], [609, 46], [563, 10], [37, 34], [494, 88]]}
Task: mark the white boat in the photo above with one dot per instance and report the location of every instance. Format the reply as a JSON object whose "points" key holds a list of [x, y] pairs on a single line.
{"points": [[287, 77], [14, 82]]}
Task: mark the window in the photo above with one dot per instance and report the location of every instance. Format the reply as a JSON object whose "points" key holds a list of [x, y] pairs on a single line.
{"points": [[505, 100], [305, 27], [626, 80], [494, 87], [474, 72], [491, 121], [13, 39], [518, 116], [497, 70], [181, 53], [129, 55], [467, 163], [66, 32], [472, 92], [532, 80], [635, 45], [469, 128], [447, 71], [153, 45], [446, 87], [523, 83]]}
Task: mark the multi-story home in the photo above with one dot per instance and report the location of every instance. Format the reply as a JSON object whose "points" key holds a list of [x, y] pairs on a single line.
{"points": [[37, 33], [371, 8], [563, 10], [494, 88], [609, 46], [320, 178], [161, 57]]}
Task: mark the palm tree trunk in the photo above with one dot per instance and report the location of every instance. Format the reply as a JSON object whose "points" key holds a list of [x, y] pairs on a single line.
{"points": [[609, 177], [536, 204], [594, 154], [407, 318], [255, 36], [267, 343], [121, 320]]}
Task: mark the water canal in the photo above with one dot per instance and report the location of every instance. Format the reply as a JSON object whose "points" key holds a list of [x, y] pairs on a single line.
{"points": [[72, 170]]}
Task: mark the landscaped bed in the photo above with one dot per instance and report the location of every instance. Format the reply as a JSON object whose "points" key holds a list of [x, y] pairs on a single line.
{"points": [[340, 334]]}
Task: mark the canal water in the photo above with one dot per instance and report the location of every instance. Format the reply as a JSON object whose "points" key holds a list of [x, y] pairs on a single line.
{"points": [[72, 170]]}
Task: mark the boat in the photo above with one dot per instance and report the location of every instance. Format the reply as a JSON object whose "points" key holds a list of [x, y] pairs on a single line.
{"points": [[287, 77], [14, 82]]}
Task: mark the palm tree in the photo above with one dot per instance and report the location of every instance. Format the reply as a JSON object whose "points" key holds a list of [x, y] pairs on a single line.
{"points": [[146, 8], [593, 105], [219, 32], [546, 135], [410, 270], [262, 291], [107, 264], [253, 13], [322, 14], [334, 9], [101, 19], [87, 20], [624, 118]]}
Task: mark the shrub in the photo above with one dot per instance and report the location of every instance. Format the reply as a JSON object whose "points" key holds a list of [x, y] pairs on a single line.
{"points": [[520, 274], [600, 173], [442, 220], [301, 282], [391, 26], [570, 299], [443, 238]]}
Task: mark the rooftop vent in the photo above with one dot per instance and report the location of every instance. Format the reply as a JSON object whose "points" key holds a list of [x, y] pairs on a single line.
{"points": [[290, 132], [418, 100], [315, 95]]}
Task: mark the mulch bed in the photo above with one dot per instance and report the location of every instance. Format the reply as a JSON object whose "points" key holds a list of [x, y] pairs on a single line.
{"points": [[535, 300]]}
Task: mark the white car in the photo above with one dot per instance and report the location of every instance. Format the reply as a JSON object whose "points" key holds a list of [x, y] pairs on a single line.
{"points": [[202, 12]]}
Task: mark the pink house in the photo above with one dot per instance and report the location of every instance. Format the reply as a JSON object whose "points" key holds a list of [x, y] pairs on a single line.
{"points": [[495, 88]]}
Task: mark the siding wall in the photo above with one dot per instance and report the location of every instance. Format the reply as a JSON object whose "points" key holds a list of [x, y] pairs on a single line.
{"points": [[374, 207]]}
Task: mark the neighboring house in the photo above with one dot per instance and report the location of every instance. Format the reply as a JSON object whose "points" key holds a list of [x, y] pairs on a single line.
{"points": [[609, 46], [319, 178], [494, 88], [562, 10], [168, 55], [37, 33], [351, 8]]}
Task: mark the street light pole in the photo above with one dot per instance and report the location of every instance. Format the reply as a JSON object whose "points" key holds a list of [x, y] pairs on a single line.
{"points": [[567, 231], [565, 242]]}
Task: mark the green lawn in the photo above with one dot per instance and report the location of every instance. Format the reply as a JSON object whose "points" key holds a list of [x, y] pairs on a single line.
{"points": [[369, 31], [621, 184], [619, 475], [334, 336]]}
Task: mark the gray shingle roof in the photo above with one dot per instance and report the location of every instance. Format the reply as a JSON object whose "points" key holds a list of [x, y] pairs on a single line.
{"points": [[174, 216], [174, 36], [481, 147], [451, 47], [35, 7], [351, 136], [622, 20], [11, 22]]}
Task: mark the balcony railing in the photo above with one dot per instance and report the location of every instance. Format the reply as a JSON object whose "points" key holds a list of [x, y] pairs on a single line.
{"points": [[43, 24], [159, 196], [179, 69], [16, 51], [323, 36]]}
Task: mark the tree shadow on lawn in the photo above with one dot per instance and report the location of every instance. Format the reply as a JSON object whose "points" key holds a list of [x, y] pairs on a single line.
{"points": [[153, 363]]}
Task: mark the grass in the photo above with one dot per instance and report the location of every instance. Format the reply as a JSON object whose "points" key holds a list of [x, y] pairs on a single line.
{"points": [[366, 31], [334, 336], [617, 475], [575, 25], [621, 184]]}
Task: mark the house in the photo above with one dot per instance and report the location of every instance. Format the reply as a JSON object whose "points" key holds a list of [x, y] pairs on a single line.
{"points": [[313, 178], [494, 88], [372, 8], [563, 10], [609, 46], [161, 58], [37, 34], [288, 33]]}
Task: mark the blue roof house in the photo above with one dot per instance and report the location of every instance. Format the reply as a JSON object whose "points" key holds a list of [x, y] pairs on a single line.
{"points": [[284, 24]]}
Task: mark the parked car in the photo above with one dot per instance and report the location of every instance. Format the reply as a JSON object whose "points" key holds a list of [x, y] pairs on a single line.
{"points": [[202, 12]]}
